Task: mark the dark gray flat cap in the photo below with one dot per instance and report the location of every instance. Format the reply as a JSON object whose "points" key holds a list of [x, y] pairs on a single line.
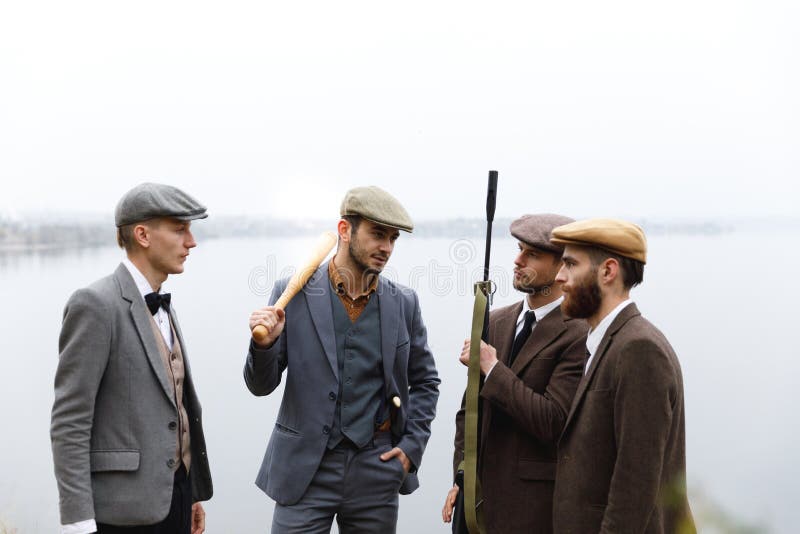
{"points": [[535, 230], [149, 201], [376, 205]]}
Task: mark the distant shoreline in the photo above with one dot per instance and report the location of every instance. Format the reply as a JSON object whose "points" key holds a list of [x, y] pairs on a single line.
{"points": [[43, 236]]}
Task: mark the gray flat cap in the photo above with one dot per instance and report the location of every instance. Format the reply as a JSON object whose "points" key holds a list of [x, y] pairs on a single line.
{"points": [[376, 205], [149, 200], [535, 230]]}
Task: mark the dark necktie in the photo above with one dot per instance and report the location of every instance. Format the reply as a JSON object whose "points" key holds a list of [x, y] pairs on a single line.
{"points": [[157, 300], [523, 335]]}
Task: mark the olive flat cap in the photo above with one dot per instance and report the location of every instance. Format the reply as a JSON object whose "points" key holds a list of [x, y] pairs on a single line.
{"points": [[535, 230], [617, 236], [378, 206], [149, 200]]}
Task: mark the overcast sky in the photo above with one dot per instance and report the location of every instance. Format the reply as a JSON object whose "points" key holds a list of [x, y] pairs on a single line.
{"points": [[620, 108]]}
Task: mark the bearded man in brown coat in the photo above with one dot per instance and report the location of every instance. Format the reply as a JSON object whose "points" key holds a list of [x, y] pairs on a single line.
{"points": [[622, 454]]}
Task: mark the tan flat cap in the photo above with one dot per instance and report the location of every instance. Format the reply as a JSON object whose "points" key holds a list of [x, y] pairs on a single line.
{"points": [[620, 237], [378, 206], [535, 230]]}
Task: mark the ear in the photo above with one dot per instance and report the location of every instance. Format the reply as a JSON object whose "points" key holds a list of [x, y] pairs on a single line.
{"points": [[141, 234], [608, 271], [343, 229]]}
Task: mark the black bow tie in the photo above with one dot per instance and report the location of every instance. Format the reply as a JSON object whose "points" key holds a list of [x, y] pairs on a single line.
{"points": [[157, 300]]}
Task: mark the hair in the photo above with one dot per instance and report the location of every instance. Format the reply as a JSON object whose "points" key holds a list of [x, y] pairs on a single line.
{"points": [[632, 270], [125, 238], [354, 221]]}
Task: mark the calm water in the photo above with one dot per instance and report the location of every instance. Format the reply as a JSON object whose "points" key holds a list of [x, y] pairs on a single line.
{"points": [[727, 304]]}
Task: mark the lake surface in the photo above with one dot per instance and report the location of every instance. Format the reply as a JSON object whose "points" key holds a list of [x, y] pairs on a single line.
{"points": [[727, 304]]}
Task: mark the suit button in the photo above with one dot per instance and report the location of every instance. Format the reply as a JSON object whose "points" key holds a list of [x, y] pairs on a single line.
{"points": [[326, 429], [170, 463], [172, 425], [332, 395]]}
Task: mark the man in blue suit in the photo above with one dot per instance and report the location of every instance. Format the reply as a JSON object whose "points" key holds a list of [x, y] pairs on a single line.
{"points": [[361, 383]]}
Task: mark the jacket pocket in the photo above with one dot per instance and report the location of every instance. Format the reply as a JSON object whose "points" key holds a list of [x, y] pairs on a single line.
{"points": [[114, 460], [283, 429], [536, 470]]}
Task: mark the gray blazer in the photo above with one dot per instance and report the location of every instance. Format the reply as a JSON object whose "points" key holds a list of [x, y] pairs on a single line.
{"points": [[307, 347], [113, 445]]}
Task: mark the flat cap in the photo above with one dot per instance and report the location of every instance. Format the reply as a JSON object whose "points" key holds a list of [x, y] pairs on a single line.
{"points": [[535, 230], [617, 236], [149, 200], [378, 206]]}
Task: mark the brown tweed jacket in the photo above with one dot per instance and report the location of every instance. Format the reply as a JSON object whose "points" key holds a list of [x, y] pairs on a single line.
{"points": [[622, 456], [523, 409]]}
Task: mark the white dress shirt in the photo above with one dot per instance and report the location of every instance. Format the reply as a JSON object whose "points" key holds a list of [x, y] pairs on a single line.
{"points": [[539, 313], [596, 334], [162, 320], [161, 317]]}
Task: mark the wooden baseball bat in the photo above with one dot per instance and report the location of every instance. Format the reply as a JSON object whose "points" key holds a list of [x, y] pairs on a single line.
{"points": [[323, 246]]}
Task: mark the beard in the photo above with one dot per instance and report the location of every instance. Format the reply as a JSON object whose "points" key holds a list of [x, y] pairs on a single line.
{"points": [[533, 289], [360, 258], [584, 300]]}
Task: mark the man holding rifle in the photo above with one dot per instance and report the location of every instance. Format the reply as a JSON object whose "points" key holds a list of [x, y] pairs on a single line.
{"points": [[361, 384], [622, 455], [531, 365]]}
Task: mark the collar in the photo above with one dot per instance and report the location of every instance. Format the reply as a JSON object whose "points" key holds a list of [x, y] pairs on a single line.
{"points": [[539, 312], [596, 335], [138, 278], [337, 282]]}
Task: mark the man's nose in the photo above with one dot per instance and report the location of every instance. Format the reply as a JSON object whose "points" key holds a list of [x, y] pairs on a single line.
{"points": [[190, 242], [561, 277]]}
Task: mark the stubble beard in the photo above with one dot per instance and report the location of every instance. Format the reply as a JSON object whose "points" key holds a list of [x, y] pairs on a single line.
{"points": [[534, 289], [357, 257]]}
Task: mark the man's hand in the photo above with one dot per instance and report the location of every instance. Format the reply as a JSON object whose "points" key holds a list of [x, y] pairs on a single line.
{"points": [[398, 453], [271, 318], [198, 519], [488, 356], [449, 504]]}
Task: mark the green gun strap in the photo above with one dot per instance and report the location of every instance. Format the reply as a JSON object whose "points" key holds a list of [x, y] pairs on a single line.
{"points": [[472, 486]]}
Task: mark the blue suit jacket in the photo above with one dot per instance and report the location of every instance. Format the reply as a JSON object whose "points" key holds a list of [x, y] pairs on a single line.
{"points": [[307, 350]]}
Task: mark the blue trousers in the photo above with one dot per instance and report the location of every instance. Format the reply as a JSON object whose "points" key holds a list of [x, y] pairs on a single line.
{"points": [[353, 485]]}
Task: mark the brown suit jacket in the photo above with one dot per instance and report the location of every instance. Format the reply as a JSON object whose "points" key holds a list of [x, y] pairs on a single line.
{"points": [[523, 409], [622, 456]]}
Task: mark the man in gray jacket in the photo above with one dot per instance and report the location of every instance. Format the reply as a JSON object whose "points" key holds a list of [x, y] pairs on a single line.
{"points": [[361, 383], [126, 431]]}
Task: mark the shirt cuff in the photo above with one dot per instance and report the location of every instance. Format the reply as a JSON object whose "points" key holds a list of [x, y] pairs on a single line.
{"points": [[81, 527], [490, 370]]}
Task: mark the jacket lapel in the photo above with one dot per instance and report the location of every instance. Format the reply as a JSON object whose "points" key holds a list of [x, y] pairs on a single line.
{"points": [[390, 323], [544, 333], [504, 330], [141, 320], [318, 296], [624, 316], [179, 338]]}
